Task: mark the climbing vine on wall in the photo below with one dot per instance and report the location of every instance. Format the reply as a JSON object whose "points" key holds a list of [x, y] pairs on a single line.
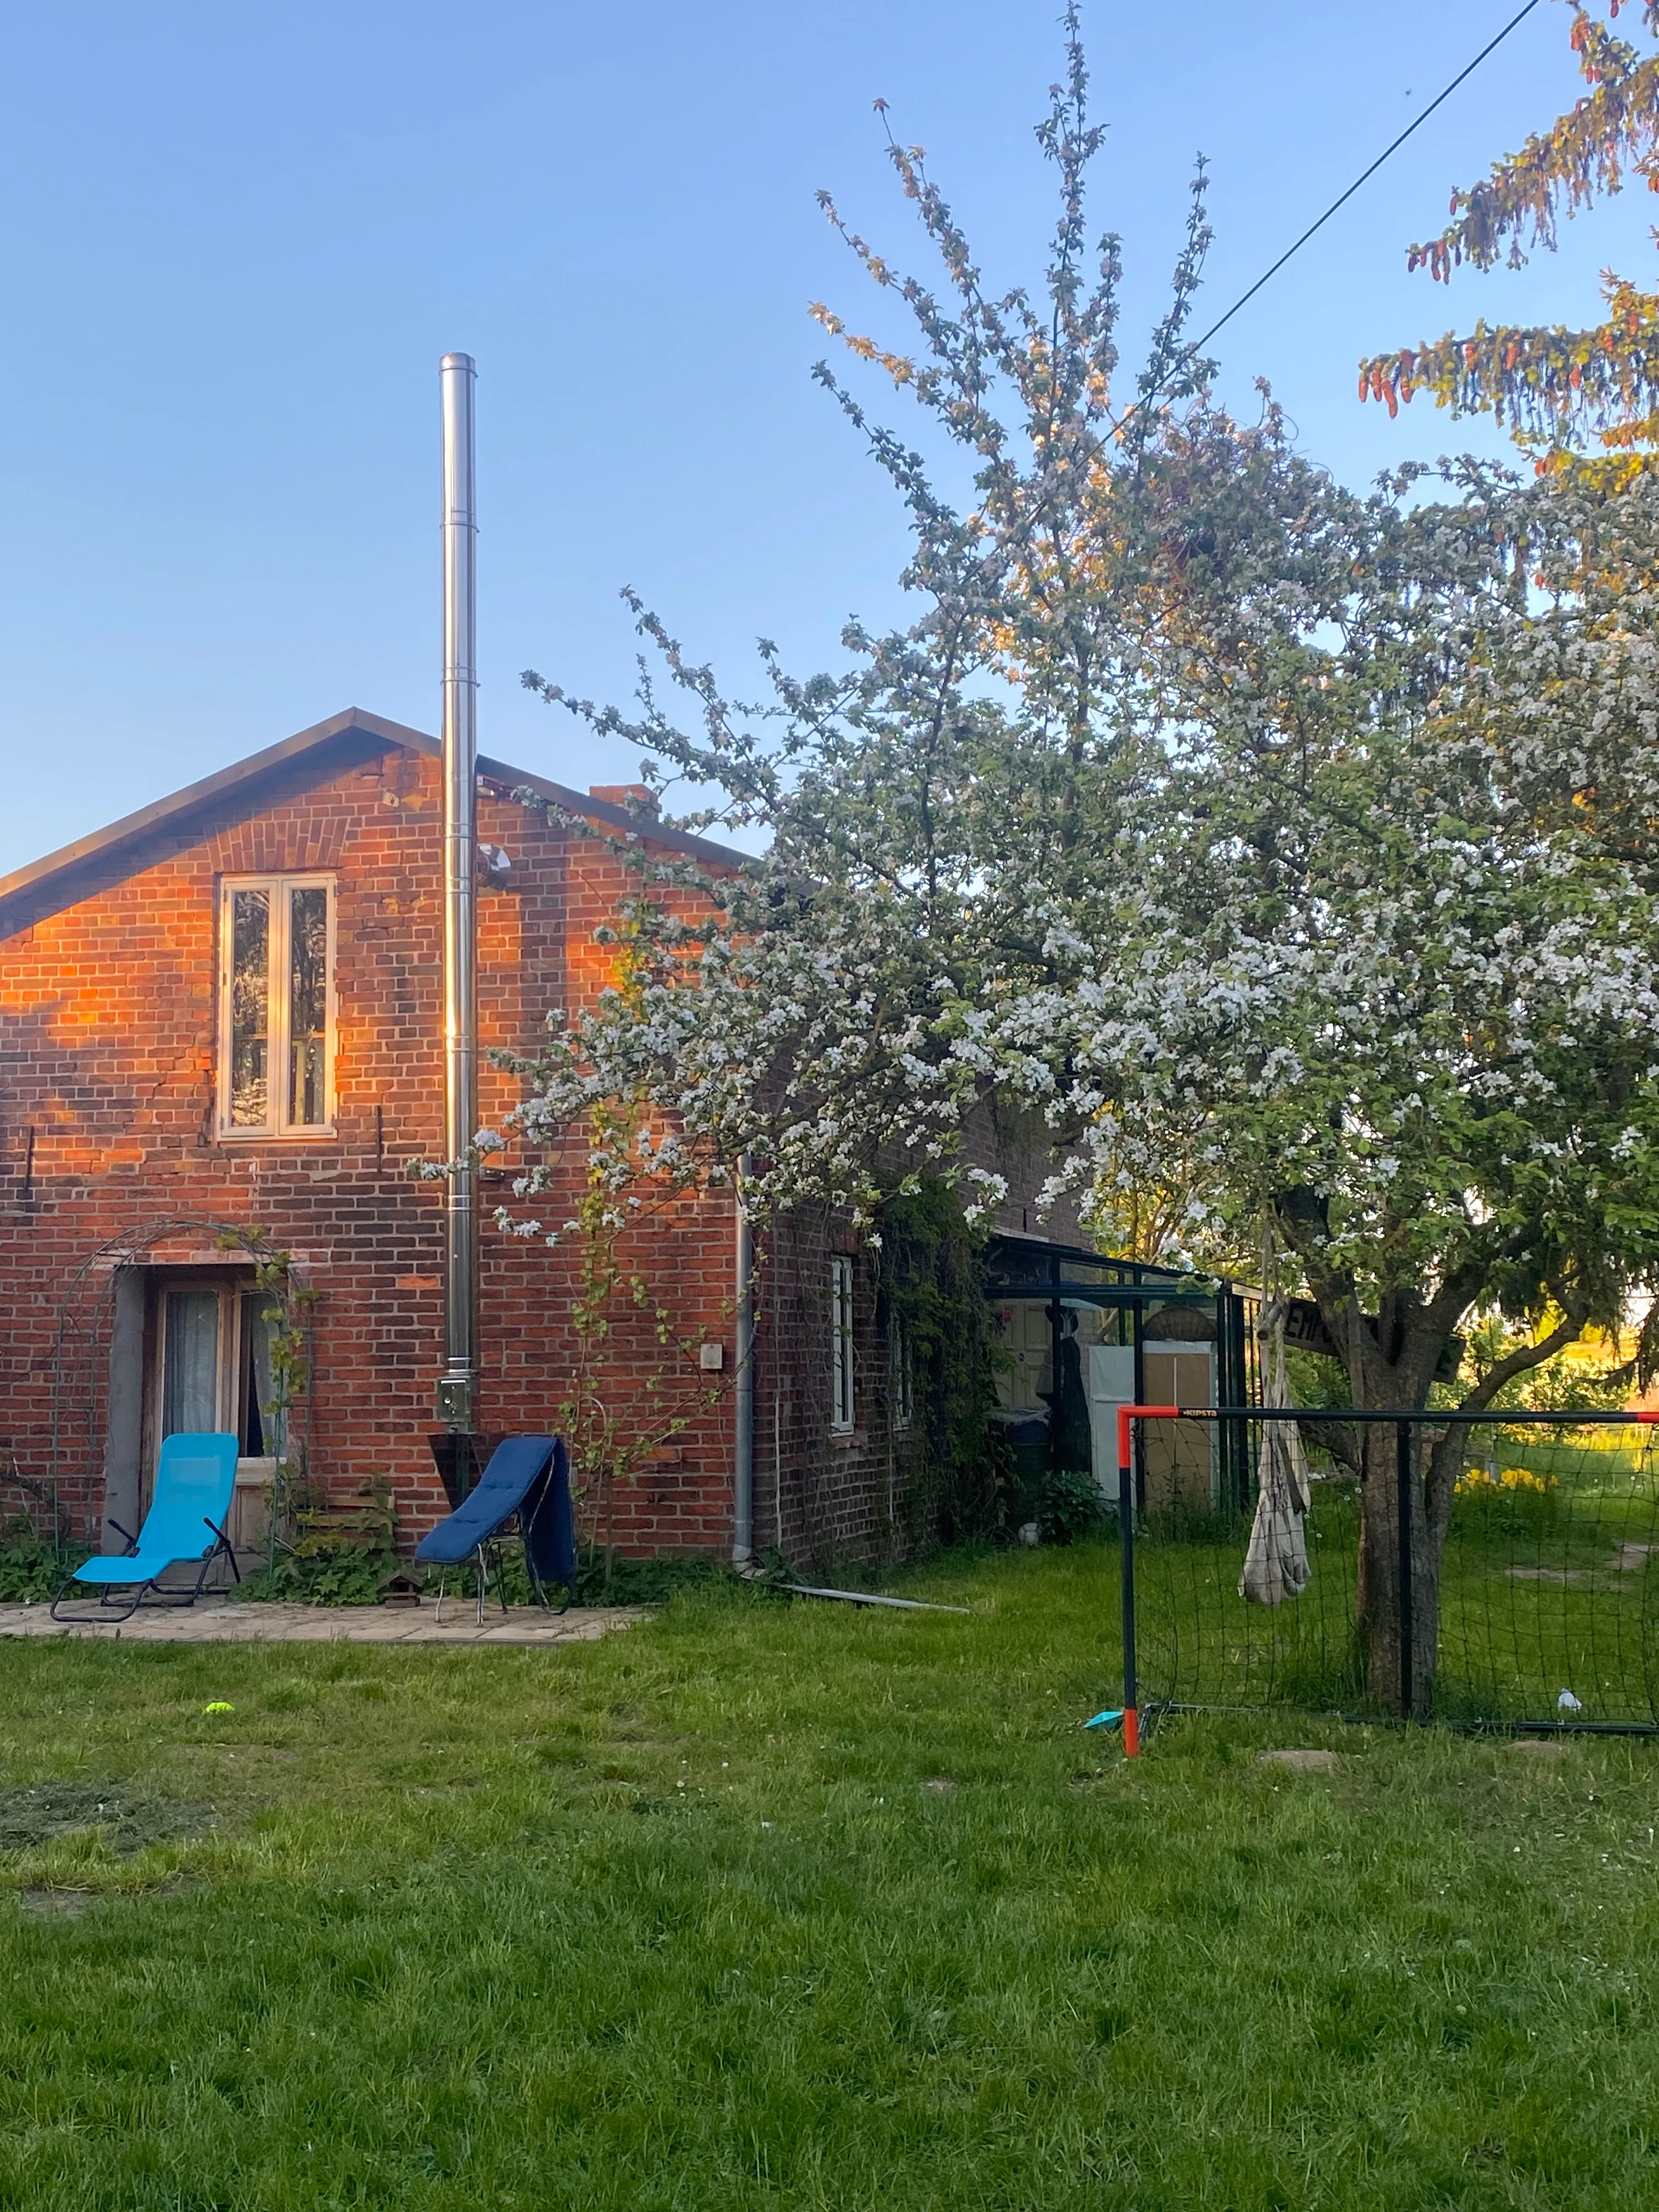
{"points": [[286, 1311], [634, 1383], [620, 1411], [935, 1317]]}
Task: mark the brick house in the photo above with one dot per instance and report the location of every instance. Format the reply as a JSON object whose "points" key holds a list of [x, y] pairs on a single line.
{"points": [[226, 1009]]}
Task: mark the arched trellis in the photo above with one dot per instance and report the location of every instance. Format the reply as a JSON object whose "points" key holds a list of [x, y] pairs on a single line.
{"points": [[80, 1367]]}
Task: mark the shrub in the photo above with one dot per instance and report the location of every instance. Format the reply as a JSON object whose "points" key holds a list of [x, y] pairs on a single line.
{"points": [[1069, 1506], [29, 1569]]}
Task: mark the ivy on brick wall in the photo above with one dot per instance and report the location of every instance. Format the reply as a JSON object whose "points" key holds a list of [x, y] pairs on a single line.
{"points": [[932, 1310], [286, 1311]]}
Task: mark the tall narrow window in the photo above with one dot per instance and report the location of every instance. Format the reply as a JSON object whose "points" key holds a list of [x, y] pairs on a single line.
{"points": [[308, 1005], [841, 1325], [250, 1009], [257, 1419], [275, 1008], [901, 1362]]}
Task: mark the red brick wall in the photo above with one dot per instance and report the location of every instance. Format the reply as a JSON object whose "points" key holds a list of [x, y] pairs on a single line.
{"points": [[107, 1022], [109, 1016], [819, 1496]]}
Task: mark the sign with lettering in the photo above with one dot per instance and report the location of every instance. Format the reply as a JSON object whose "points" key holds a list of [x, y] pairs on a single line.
{"points": [[1304, 1327]]}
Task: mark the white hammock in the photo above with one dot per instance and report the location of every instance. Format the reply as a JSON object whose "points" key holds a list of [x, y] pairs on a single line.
{"points": [[1276, 1563]]}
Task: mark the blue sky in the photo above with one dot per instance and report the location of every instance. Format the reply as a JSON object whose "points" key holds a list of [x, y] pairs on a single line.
{"points": [[236, 242]]}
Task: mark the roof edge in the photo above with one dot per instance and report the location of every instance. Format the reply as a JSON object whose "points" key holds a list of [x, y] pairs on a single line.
{"points": [[131, 827], [614, 816]]}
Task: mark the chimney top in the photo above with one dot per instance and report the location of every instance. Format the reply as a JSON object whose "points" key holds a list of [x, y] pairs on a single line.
{"points": [[635, 796]]}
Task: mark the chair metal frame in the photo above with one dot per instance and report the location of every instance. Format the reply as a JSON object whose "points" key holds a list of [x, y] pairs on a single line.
{"points": [[487, 1552], [492, 1546], [112, 1611]]}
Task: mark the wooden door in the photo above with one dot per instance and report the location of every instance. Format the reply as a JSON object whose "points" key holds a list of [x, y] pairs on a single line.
{"points": [[1028, 1334]]}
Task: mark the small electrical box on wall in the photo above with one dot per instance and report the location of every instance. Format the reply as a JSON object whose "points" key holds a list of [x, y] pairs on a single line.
{"points": [[712, 1356], [455, 1401]]}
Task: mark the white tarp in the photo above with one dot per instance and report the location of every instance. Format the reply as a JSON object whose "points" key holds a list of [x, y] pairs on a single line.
{"points": [[1276, 1562]]}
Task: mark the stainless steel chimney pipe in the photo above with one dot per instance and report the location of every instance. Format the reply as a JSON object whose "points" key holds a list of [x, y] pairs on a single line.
{"points": [[456, 1389], [743, 1395]]}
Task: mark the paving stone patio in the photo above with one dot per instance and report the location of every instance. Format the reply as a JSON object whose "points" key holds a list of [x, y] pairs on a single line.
{"points": [[218, 1621]]}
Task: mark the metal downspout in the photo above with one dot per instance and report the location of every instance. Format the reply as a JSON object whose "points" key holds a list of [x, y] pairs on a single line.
{"points": [[743, 1395], [457, 1388]]}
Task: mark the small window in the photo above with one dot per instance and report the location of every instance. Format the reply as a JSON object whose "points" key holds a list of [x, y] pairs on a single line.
{"points": [[841, 1325], [902, 1366], [277, 1008]]}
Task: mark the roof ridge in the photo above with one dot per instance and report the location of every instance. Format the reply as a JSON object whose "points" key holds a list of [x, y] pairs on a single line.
{"points": [[35, 875]]}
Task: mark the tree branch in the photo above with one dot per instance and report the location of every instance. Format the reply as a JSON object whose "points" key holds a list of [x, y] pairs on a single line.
{"points": [[1567, 1331]]}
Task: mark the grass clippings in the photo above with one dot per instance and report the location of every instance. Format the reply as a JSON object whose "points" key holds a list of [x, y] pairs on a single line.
{"points": [[33, 1813], [55, 1903]]}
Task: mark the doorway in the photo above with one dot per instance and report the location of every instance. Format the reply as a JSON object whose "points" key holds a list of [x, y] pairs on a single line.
{"points": [[209, 1370]]}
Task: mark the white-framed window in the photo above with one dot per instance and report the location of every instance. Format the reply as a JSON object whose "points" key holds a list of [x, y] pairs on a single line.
{"points": [[901, 1369], [840, 1340], [276, 1006]]}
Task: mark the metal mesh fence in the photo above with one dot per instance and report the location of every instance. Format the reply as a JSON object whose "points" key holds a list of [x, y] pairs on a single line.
{"points": [[1533, 1601]]}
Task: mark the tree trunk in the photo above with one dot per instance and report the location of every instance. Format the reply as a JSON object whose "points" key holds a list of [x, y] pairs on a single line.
{"points": [[1408, 1469], [1401, 1541]]}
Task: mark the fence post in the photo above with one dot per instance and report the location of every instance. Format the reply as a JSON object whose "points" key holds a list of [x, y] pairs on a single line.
{"points": [[1125, 1538], [1403, 1487]]}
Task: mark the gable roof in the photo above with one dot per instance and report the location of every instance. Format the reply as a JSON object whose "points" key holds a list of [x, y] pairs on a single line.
{"points": [[92, 863]]}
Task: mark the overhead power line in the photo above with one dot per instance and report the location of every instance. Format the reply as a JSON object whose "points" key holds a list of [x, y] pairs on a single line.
{"points": [[1439, 101]]}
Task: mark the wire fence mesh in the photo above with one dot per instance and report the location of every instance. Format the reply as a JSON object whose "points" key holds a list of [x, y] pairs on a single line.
{"points": [[1547, 1583]]}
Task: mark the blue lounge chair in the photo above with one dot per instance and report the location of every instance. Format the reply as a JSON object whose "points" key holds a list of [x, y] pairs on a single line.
{"points": [[529, 1477], [194, 1479]]}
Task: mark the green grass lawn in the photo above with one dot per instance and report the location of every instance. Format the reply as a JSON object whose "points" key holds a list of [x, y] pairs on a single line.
{"points": [[806, 1907]]}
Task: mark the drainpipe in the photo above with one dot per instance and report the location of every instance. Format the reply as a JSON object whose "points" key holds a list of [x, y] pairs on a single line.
{"points": [[743, 1395], [456, 374]]}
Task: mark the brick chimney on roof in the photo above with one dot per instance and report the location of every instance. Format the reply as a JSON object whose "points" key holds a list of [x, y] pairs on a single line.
{"points": [[631, 796]]}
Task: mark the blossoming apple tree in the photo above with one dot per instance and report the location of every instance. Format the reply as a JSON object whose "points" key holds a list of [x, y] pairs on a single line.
{"points": [[1285, 853]]}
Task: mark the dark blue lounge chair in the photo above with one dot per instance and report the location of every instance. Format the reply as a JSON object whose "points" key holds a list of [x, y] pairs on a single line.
{"points": [[195, 1477], [529, 1477]]}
